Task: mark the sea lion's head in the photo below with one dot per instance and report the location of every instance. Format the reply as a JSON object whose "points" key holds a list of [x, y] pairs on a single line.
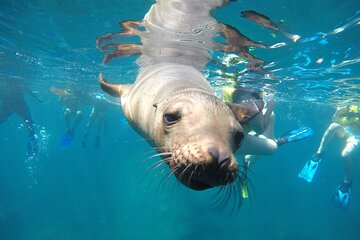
{"points": [[197, 134]]}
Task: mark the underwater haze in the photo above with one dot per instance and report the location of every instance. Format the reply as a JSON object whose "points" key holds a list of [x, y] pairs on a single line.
{"points": [[104, 184]]}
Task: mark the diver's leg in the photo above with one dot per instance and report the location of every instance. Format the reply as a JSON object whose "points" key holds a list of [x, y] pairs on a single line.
{"points": [[334, 128], [352, 143], [341, 197], [78, 118], [101, 125], [311, 166], [87, 128], [348, 170], [24, 112], [269, 130], [257, 145], [67, 118]]}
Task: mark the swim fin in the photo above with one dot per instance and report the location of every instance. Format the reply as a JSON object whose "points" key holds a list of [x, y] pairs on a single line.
{"points": [[341, 197], [295, 135], [309, 170], [66, 139], [244, 190]]}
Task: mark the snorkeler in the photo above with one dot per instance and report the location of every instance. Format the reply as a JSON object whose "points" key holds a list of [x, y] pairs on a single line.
{"points": [[72, 100], [346, 126], [12, 101], [97, 116], [259, 122], [259, 138], [257, 119]]}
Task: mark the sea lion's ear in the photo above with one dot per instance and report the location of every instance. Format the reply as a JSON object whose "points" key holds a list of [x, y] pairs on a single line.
{"points": [[242, 112], [115, 90]]}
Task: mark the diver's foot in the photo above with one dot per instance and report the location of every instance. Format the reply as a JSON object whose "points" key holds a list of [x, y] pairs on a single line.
{"points": [[341, 197]]}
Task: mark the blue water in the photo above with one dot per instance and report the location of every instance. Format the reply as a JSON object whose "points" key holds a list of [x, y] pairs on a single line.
{"points": [[110, 193]]}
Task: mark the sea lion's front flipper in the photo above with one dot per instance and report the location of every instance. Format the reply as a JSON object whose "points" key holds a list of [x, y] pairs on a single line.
{"points": [[115, 90]]}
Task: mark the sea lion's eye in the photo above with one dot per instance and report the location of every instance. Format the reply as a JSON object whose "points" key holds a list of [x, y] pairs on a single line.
{"points": [[171, 118], [239, 136]]}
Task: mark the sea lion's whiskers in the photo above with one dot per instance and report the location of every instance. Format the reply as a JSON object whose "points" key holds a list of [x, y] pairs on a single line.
{"points": [[225, 197], [226, 177], [151, 157], [183, 172], [171, 173], [156, 164], [153, 149], [219, 195], [233, 197], [160, 154], [176, 183], [153, 167], [239, 187], [161, 149], [165, 179], [196, 167], [192, 172], [163, 170], [156, 175], [138, 163]]}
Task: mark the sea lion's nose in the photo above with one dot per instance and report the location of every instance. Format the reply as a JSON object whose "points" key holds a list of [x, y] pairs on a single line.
{"points": [[218, 158]]}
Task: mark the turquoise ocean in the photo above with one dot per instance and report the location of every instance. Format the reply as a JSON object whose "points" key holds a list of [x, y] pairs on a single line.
{"points": [[112, 192]]}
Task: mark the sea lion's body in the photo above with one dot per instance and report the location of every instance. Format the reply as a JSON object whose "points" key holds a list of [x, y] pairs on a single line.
{"points": [[179, 32]]}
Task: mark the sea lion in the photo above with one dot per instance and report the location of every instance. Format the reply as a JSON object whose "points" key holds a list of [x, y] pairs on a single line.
{"points": [[171, 104], [266, 22], [175, 109]]}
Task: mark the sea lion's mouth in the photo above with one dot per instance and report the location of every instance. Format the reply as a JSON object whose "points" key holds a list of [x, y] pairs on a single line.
{"points": [[201, 178], [198, 185]]}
